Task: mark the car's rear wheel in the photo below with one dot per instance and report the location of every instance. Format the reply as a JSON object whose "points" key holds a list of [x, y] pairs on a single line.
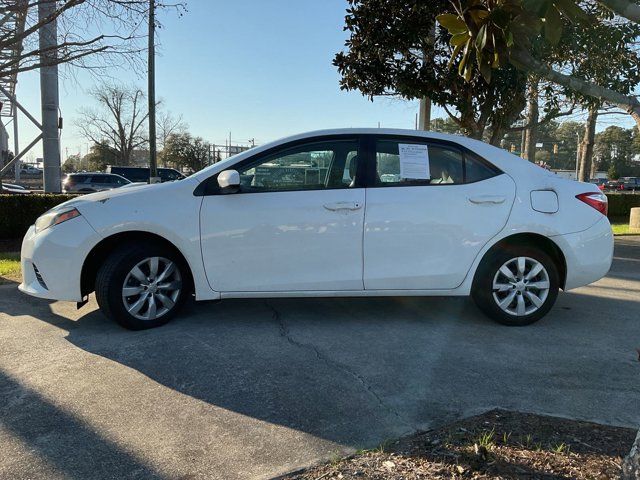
{"points": [[517, 285], [142, 287]]}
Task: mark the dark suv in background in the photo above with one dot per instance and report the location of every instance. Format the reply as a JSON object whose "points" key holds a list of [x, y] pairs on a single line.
{"points": [[141, 174], [92, 182]]}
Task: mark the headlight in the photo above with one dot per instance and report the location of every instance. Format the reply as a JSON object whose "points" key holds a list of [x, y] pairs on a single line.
{"points": [[50, 219]]}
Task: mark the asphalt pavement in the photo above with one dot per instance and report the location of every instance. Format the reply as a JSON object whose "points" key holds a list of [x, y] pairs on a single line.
{"points": [[250, 389]]}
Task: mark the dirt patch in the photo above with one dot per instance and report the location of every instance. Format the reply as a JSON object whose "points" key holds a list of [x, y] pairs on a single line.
{"points": [[495, 445]]}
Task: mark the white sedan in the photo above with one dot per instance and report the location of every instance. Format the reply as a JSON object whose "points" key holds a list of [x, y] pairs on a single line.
{"points": [[358, 212]]}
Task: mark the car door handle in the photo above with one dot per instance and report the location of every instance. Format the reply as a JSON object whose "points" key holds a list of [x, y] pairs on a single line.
{"points": [[334, 207], [483, 199]]}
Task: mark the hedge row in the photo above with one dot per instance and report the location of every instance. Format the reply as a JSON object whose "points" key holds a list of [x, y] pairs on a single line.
{"points": [[19, 212], [620, 205]]}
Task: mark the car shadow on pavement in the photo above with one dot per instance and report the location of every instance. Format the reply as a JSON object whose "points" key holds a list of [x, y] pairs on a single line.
{"points": [[357, 371], [60, 439]]}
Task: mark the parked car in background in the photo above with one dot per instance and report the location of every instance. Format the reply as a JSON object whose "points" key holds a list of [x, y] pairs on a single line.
{"points": [[355, 212], [92, 182], [10, 188], [141, 174], [630, 183], [600, 182], [614, 185], [30, 170]]}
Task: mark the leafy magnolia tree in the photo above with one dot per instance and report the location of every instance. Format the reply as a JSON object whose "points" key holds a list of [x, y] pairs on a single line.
{"points": [[185, 151], [494, 35], [396, 49], [119, 120]]}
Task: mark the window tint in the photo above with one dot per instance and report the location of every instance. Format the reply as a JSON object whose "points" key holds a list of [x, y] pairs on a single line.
{"points": [[445, 165], [314, 166], [477, 169]]}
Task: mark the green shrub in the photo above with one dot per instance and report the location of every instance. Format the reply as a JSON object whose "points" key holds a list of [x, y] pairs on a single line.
{"points": [[620, 205], [19, 212]]}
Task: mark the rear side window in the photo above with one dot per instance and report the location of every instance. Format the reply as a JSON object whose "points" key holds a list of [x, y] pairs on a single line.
{"points": [[476, 169], [444, 165], [433, 164]]}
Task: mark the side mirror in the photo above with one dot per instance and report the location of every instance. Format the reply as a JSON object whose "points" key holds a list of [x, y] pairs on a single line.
{"points": [[229, 181]]}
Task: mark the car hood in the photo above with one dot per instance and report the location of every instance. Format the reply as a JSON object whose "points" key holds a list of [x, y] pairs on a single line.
{"points": [[133, 192]]}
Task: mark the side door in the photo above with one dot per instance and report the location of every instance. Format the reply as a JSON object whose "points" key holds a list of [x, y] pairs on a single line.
{"points": [[295, 225], [424, 233]]}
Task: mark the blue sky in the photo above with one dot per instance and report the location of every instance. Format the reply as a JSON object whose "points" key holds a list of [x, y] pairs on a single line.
{"points": [[256, 69]]}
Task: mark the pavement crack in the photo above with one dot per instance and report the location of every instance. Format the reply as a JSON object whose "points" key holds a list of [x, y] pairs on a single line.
{"points": [[286, 334]]}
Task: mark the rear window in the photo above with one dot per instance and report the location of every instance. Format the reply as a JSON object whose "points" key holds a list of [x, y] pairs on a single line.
{"points": [[74, 179]]}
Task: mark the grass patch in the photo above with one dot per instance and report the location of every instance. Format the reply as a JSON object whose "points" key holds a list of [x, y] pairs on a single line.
{"points": [[10, 268], [622, 229]]}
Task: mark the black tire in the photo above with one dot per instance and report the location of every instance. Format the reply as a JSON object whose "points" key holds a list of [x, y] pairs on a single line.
{"points": [[482, 291], [111, 278]]}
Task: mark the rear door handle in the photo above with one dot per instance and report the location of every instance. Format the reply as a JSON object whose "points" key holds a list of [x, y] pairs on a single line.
{"points": [[484, 199], [334, 207]]}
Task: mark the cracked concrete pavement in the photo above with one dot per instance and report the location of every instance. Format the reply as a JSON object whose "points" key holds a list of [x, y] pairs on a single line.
{"points": [[248, 389]]}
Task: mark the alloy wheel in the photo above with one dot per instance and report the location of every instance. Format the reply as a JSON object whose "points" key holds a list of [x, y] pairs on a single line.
{"points": [[152, 288], [521, 286]]}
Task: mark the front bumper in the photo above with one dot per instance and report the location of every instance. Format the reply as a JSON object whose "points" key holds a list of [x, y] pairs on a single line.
{"points": [[57, 254], [588, 254]]}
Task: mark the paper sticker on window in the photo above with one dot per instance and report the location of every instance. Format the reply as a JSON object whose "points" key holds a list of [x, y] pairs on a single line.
{"points": [[414, 161]]}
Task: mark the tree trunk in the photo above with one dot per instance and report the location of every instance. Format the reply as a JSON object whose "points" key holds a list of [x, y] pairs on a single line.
{"points": [[587, 144], [424, 116], [594, 167], [523, 60], [631, 464], [532, 120]]}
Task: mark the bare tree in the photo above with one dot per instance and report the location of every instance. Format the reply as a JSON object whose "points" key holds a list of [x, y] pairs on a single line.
{"points": [[91, 33], [168, 124], [119, 120]]}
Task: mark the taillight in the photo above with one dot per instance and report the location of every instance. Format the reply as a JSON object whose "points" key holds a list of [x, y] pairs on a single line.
{"points": [[596, 200]]}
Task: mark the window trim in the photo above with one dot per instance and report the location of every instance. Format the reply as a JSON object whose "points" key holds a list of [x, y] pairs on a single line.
{"points": [[209, 186], [372, 160]]}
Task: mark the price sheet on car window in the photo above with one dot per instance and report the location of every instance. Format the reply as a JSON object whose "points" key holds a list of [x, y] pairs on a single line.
{"points": [[414, 161]]}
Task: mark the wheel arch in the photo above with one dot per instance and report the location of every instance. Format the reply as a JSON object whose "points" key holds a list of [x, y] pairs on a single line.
{"points": [[107, 245], [531, 239]]}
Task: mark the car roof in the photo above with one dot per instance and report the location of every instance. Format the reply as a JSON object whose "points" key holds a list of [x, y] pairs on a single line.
{"points": [[499, 157]]}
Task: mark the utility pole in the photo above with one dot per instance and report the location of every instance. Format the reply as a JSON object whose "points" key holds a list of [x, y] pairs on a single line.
{"points": [[424, 116], [49, 96], [153, 165]]}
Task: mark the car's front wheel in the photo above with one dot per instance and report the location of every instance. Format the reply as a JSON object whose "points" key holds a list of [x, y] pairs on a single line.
{"points": [[142, 287], [516, 286]]}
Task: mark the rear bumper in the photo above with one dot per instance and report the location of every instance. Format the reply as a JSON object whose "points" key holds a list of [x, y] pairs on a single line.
{"points": [[52, 260], [588, 254]]}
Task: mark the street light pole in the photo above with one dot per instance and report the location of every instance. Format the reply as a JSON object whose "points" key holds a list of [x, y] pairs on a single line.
{"points": [[153, 165]]}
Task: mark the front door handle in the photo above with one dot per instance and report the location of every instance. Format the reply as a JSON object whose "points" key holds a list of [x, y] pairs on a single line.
{"points": [[334, 207], [484, 199]]}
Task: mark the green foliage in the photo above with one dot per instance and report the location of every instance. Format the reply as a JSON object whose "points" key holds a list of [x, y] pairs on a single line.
{"points": [[612, 173], [579, 38], [395, 48], [620, 204], [185, 151], [19, 212]]}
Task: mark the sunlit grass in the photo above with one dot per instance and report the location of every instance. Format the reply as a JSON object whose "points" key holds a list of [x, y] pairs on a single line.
{"points": [[621, 229], [10, 268]]}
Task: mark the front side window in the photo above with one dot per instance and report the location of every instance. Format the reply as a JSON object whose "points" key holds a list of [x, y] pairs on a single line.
{"points": [[315, 166]]}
